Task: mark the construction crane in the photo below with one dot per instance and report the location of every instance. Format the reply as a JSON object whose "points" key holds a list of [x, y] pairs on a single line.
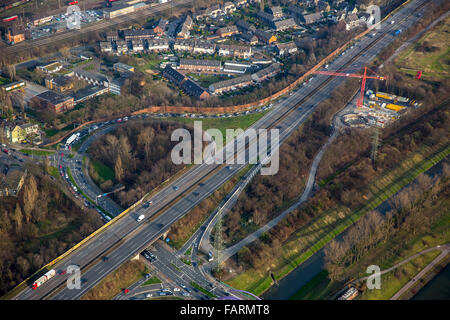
{"points": [[364, 77]]}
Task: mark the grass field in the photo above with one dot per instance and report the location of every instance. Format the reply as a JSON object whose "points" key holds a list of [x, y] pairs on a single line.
{"points": [[241, 122], [431, 54], [37, 152], [326, 227], [152, 280], [104, 172], [127, 274]]}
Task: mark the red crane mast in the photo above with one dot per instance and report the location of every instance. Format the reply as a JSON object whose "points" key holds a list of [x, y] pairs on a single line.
{"points": [[364, 77]]}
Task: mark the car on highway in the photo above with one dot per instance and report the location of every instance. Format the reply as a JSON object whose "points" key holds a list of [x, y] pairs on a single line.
{"points": [[149, 295], [140, 218], [176, 289], [176, 188]]}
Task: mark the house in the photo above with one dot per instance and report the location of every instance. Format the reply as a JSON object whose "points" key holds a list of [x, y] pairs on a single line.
{"points": [[185, 84], [229, 7], [137, 45], [20, 132], [60, 84], [122, 67], [323, 6], [249, 37], [295, 12], [312, 18], [138, 34], [157, 45], [244, 26], [286, 48], [121, 46], [227, 31], [276, 12], [184, 45], [266, 73], [242, 52], [106, 46], [285, 24], [193, 89], [185, 28], [266, 17], [13, 181], [160, 27], [351, 21], [214, 11], [265, 36], [240, 3], [51, 67], [54, 101], [173, 75], [15, 35], [200, 65], [112, 36], [231, 84], [204, 47]]}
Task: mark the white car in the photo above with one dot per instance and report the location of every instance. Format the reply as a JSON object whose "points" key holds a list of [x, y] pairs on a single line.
{"points": [[149, 295], [176, 289], [140, 218]]}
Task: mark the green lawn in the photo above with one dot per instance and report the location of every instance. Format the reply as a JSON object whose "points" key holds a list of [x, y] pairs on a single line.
{"points": [[37, 152], [152, 280], [103, 171], [186, 261]]}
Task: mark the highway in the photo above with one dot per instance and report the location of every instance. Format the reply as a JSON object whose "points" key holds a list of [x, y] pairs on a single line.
{"points": [[125, 238]]}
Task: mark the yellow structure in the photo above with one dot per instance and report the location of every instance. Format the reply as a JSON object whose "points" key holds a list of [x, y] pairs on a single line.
{"points": [[384, 96], [20, 133], [394, 107]]}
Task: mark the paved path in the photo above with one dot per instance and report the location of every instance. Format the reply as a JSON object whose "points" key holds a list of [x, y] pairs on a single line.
{"points": [[445, 250]]}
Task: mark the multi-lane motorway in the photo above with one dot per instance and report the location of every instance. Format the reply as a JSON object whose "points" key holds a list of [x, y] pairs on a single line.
{"points": [[127, 237]]}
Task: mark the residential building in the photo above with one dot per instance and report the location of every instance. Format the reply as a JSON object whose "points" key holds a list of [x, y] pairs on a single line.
{"points": [[214, 11], [200, 65], [106, 46], [157, 45], [276, 12], [236, 67], [295, 12], [138, 34], [185, 28], [227, 31], [249, 37], [173, 75], [204, 47], [266, 17], [242, 52], [266, 73], [160, 27], [193, 89], [116, 85], [112, 36], [286, 48], [121, 46], [312, 18], [285, 24], [265, 36], [184, 45], [137, 45], [229, 7], [54, 101], [231, 84], [244, 26], [21, 132]]}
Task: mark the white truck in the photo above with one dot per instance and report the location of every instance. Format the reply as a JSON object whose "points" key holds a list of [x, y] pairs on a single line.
{"points": [[140, 218]]}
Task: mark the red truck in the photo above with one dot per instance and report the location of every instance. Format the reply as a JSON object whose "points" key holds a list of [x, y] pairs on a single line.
{"points": [[5, 151]]}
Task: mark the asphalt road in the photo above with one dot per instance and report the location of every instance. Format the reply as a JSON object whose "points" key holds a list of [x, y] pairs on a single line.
{"points": [[129, 237]]}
